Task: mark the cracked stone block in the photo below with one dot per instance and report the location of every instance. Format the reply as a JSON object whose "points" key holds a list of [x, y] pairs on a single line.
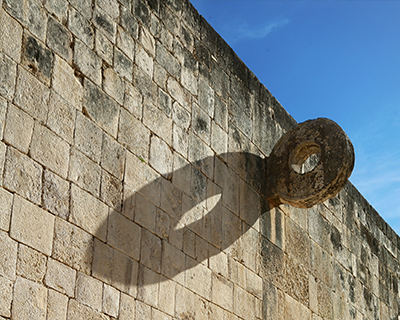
{"points": [[59, 39], [22, 175], [60, 277], [10, 36], [6, 200], [56, 194], [32, 226], [80, 27], [8, 251], [31, 264], [88, 62], [18, 128], [8, 73], [50, 150], [88, 137]]}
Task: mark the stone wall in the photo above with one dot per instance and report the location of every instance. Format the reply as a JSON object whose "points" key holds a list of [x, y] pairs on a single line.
{"points": [[132, 179]]}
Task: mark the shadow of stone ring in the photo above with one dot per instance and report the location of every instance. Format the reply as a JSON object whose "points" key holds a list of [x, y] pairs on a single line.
{"points": [[310, 164]]}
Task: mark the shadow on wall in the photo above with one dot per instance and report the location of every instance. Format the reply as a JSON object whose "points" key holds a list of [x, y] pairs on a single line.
{"points": [[174, 223]]}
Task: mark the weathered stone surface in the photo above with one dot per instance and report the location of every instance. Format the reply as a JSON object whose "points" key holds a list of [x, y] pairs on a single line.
{"points": [[59, 8], [101, 108], [144, 61], [222, 293], [111, 191], [104, 47], [105, 23], [145, 84], [8, 72], [22, 175], [201, 124], [88, 62], [81, 27], [133, 101], [160, 157], [6, 290], [206, 97], [50, 150], [30, 300], [31, 264], [3, 112], [123, 65], [56, 306], [88, 213], [8, 250], [127, 307], [157, 121], [109, 6], [72, 246], [129, 22], [32, 225], [89, 291], [59, 39], [148, 286], [111, 299], [10, 36], [178, 93], [6, 201], [113, 157], [114, 85], [56, 194], [83, 6], [60, 277], [18, 128], [168, 61], [180, 140], [77, 310], [126, 43]]}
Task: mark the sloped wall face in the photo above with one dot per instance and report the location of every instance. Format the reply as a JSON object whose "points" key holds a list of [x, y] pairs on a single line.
{"points": [[132, 173]]}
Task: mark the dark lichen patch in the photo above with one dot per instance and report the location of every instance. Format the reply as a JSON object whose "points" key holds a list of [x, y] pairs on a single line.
{"points": [[336, 239], [37, 58], [201, 125]]}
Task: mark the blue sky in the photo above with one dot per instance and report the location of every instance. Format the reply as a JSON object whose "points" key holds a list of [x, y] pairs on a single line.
{"points": [[333, 59]]}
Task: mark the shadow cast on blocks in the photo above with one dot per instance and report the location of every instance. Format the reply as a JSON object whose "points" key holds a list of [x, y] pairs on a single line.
{"points": [[171, 225]]}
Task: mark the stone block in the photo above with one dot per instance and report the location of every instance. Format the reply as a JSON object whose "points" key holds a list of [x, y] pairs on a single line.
{"points": [[145, 84], [3, 112], [157, 121], [221, 113], [164, 102], [189, 81], [84, 172], [80, 27], [88, 213], [201, 156], [38, 58], [198, 278], [124, 235], [66, 84], [126, 43], [59, 39], [72, 246], [59, 8], [161, 157], [319, 228], [201, 124], [18, 128], [134, 135], [129, 22], [56, 194], [31, 264], [160, 76], [77, 310], [50, 150], [57, 304], [123, 65], [6, 201], [109, 6], [144, 61], [150, 251], [297, 242], [6, 295], [173, 262], [111, 298], [182, 172], [8, 251], [88, 62], [22, 175], [147, 40], [111, 191], [127, 307], [145, 213], [295, 310], [101, 108], [158, 315], [148, 286], [180, 140], [219, 139], [162, 224], [60, 277], [8, 73], [32, 226], [113, 85], [133, 101], [168, 61], [166, 296], [83, 6], [142, 310], [180, 116], [88, 137], [113, 157], [30, 14], [105, 23], [245, 303], [89, 291], [104, 47], [10, 36], [206, 97], [178, 93]]}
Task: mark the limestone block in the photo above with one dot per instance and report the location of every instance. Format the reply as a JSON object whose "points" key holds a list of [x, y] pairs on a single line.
{"points": [[8, 73], [80, 27], [229, 182], [164, 102], [66, 84], [295, 310], [77, 310], [6, 294], [31, 264], [180, 140], [148, 286], [182, 172], [245, 303], [31, 95], [59, 39], [60, 277], [297, 242], [127, 307], [145, 84], [88, 137], [158, 315], [83, 6], [113, 85], [189, 81], [50, 150], [218, 263], [206, 97], [222, 292], [178, 93], [84, 172], [18, 128], [160, 76], [111, 299], [87, 61], [198, 278], [10, 36], [89, 291], [144, 61], [129, 22], [147, 40], [109, 6], [166, 296], [124, 235], [134, 135], [143, 311], [157, 121], [88, 213], [104, 47], [30, 300], [6, 201], [254, 284], [162, 224], [201, 156], [219, 139], [8, 251], [59, 8], [57, 304], [181, 116], [32, 225], [161, 157], [102, 21], [113, 157], [126, 43], [173, 262], [123, 65], [145, 213], [111, 191], [101, 108], [133, 101], [30, 14], [168, 61], [3, 150], [72, 246], [56, 194], [3, 111], [150, 250], [221, 114]]}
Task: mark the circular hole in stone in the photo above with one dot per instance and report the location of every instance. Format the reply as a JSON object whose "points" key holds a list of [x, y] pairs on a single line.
{"points": [[305, 157]]}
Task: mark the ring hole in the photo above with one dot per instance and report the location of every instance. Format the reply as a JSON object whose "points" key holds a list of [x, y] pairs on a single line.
{"points": [[305, 157]]}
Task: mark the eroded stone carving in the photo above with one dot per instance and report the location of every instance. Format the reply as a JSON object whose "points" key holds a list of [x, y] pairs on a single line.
{"points": [[321, 140]]}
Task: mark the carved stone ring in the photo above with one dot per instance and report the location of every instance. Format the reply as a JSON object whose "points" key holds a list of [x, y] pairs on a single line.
{"points": [[293, 179]]}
